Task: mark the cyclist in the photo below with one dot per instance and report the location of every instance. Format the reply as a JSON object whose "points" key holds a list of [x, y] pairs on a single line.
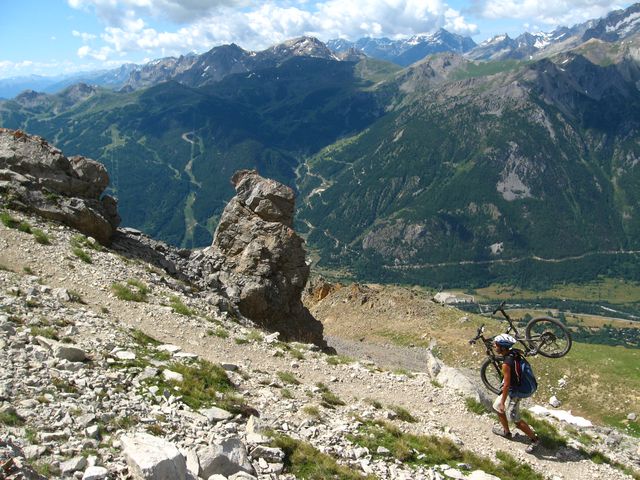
{"points": [[508, 408]]}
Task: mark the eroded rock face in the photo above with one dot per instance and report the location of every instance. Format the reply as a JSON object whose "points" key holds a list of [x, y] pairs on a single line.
{"points": [[36, 176], [259, 260]]}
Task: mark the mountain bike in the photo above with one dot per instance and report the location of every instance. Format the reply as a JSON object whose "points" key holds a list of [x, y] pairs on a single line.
{"points": [[542, 335]]}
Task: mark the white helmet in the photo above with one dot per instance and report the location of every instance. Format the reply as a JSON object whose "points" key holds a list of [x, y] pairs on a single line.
{"points": [[505, 340]]}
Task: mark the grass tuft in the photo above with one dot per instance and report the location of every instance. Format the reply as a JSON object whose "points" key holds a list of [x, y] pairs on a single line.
{"points": [[339, 359], [288, 378], [40, 236], [423, 450], [82, 255], [475, 406], [403, 414], [133, 291], [8, 221], [548, 434], [11, 419], [179, 307], [304, 461]]}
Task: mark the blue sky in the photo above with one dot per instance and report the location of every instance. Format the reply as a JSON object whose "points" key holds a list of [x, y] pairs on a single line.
{"points": [[52, 37]]}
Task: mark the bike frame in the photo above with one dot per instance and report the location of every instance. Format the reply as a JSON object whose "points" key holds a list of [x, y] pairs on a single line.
{"points": [[512, 328]]}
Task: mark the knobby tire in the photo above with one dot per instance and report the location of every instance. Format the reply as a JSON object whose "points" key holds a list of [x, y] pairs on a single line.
{"points": [[554, 334]]}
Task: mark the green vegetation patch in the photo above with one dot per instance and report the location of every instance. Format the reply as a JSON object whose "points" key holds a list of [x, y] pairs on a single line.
{"points": [[81, 241], [475, 406], [82, 255], [46, 332], [304, 461], [329, 399], [40, 236], [288, 378], [204, 384], [548, 434], [8, 221], [133, 291], [339, 359], [10, 418], [403, 414], [430, 450], [179, 307]]}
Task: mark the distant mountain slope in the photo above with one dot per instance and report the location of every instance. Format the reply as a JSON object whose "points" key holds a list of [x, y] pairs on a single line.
{"points": [[408, 51], [539, 161], [171, 149], [449, 171]]}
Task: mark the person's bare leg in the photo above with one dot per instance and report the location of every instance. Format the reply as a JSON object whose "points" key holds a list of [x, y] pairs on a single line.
{"points": [[503, 421], [524, 426]]}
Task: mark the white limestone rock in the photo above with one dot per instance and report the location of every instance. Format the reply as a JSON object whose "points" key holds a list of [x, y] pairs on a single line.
{"points": [[152, 458], [226, 458], [95, 473], [215, 414]]}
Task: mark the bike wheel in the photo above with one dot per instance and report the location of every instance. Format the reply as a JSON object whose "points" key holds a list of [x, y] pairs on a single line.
{"points": [[548, 337], [491, 375]]}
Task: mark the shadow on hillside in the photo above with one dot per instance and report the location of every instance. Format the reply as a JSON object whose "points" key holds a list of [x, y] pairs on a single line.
{"points": [[135, 245]]}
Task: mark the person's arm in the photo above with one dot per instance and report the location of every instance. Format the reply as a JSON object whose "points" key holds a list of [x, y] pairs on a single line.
{"points": [[506, 384]]}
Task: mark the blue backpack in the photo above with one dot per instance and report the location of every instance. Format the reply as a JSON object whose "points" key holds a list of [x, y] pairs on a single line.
{"points": [[524, 384]]}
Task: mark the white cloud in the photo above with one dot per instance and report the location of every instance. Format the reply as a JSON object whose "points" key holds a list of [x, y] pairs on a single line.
{"points": [[259, 25], [548, 12], [86, 37], [178, 11], [101, 54]]}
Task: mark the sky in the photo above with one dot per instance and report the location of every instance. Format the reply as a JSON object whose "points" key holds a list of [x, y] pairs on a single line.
{"points": [[56, 37]]}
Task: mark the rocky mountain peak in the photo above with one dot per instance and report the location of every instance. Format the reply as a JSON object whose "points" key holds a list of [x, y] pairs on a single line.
{"points": [[616, 25], [302, 46]]}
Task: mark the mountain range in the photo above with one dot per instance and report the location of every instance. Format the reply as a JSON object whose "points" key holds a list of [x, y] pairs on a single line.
{"points": [[448, 172]]}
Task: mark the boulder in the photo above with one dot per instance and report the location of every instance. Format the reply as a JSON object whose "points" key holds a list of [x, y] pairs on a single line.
{"points": [[95, 473], [225, 458], [215, 414], [152, 458], [37, 177], [259, 261]]}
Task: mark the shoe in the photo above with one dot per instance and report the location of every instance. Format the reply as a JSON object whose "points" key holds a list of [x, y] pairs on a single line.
{"points": [[497, 430], [532, 447]]}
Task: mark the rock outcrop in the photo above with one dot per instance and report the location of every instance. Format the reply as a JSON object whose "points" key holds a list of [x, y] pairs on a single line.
{"points": [[259, 261], [36, 176]]}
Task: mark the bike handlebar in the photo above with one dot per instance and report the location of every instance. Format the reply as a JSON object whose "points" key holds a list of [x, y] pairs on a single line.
{"points": [[478, 335], [500, 308]]}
